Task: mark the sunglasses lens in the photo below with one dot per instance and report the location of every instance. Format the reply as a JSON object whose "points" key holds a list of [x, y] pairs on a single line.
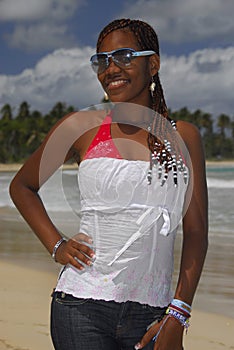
{"points": [[122, 57], [99, 62]]}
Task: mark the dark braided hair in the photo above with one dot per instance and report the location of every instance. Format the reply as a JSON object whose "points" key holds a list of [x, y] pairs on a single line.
{"points": [[147, 40]]}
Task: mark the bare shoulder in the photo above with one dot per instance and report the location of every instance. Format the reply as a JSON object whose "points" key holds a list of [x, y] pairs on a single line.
{"points": [[73, 125], [189, 132], [58, 146], [193, 142], [81, 121]]}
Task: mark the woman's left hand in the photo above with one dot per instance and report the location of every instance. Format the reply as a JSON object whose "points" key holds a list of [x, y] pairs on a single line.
{"points": [[169, 338]]}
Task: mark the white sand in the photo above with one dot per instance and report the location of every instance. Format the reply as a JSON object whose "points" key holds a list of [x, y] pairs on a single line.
{"points": [[25, 306]]}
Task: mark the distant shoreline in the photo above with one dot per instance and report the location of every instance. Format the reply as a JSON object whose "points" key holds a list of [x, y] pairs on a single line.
{"points": [[13, 167], [223, 163]]}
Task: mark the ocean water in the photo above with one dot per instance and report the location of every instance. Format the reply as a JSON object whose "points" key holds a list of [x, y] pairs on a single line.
{"points": [[61, 196], [220, 182]]}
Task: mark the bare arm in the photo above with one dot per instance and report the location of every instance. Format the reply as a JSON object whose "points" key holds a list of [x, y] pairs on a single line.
{"points": [[54, 151], [195, 222], [195, 241]]}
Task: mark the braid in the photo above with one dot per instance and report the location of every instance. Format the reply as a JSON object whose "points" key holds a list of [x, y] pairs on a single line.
{"points": [[147, 40]]}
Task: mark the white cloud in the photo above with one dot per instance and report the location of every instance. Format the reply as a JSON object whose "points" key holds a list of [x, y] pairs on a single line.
{"points": [[39, 24], [31, 10], [11, 10], [203, 80], [64, 75], [178, 21], [33, 38]]}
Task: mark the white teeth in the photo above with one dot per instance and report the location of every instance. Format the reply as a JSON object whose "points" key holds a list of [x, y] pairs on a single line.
{"points": [[115, 83]]}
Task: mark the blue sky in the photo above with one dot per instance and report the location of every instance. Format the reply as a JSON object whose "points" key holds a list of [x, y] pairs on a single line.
{"points": [[46, 45]]}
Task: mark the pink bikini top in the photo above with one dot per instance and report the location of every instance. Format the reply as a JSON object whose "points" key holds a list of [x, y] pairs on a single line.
{"points": [[103, 144]]}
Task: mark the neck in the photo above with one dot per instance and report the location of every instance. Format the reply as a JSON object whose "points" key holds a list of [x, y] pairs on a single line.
{"points": [[132, 114]]}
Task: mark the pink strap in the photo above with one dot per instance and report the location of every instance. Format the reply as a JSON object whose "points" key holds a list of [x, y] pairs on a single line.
{"points": [[103, 136]]}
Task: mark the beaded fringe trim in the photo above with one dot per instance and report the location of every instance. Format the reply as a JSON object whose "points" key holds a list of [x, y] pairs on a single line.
{"points": [[173, 164]]}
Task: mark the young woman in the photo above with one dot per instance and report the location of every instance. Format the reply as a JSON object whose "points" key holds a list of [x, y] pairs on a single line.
{"points": [[140, 173]]}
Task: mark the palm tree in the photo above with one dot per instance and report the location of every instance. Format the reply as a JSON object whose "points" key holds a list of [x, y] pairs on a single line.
{"points": [[24, 112], [182, 114], [197, 117], [222, 142], [6, 112], [223, 123]]}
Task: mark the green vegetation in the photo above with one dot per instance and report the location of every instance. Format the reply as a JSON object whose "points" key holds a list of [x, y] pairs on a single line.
{"points": [[21, 134], [217, 135]]}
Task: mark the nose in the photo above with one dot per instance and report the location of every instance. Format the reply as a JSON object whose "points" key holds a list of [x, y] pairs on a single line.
{"points": [[112, 64]]}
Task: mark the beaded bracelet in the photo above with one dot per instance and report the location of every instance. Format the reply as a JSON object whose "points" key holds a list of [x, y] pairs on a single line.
{"points": [[57, 245], [181, 311], [184, 321], [170, 312]]}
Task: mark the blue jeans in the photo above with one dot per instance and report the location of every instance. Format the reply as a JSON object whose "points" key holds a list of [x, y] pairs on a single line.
{"points": [[87, 324]]}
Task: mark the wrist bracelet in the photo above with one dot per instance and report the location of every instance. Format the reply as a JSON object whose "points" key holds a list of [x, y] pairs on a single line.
{"points": [[57, 245], [184, 321], [181, 304], [181, 311]]}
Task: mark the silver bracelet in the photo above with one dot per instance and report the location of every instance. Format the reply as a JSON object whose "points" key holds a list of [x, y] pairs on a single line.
{"points": [[57, 245]]}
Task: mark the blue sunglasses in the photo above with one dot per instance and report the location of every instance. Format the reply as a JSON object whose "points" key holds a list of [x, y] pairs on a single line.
{"points": [[121, 57]]}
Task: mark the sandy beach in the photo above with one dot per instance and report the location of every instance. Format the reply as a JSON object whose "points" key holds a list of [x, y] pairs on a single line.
{"points": [[25, 298], [28, 276], [25, 302]]}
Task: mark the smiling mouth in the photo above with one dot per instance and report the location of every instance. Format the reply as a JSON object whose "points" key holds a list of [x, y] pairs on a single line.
{"points": [[116, 84]]}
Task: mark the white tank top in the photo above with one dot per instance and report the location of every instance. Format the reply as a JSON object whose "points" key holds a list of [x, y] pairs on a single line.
{"points": [[133, 227]]}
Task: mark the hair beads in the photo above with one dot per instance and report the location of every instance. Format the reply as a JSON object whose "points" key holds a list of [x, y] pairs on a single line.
{"points": [[161, 152], [166, 159]]}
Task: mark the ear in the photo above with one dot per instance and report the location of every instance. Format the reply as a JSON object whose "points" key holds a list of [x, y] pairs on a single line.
{"points": [[154, 64]]}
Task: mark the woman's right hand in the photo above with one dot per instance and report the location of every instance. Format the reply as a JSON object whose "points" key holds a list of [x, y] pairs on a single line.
{"points": [[76, 252]]}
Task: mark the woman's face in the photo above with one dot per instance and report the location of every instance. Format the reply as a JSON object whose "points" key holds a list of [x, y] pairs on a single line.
{"points": [[131, 83]]}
